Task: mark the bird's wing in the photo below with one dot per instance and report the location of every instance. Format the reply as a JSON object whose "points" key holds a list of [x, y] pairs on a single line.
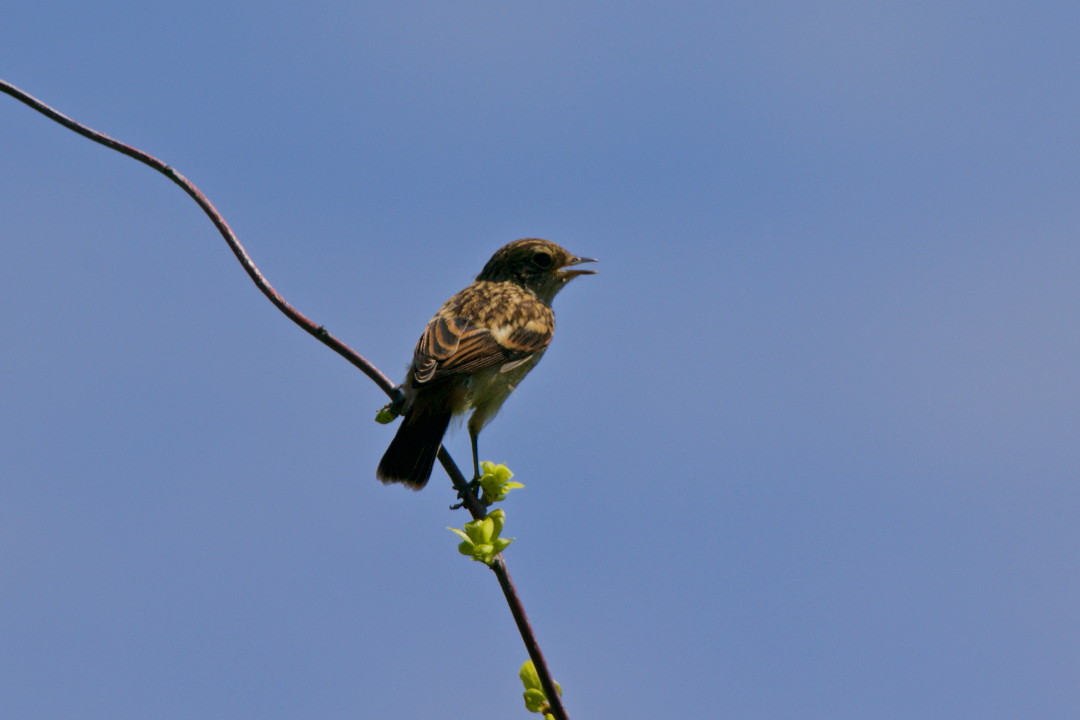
{"points": [[452, 345]]}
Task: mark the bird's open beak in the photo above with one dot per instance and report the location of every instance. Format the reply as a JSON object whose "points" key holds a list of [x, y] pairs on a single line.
{"points": [[569, 274]]}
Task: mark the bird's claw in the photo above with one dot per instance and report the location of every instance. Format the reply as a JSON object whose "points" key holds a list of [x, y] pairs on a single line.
{"points": [[474, 489]]}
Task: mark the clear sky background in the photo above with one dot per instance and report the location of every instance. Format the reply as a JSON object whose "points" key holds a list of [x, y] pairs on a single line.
{"points": [[808, 447]]}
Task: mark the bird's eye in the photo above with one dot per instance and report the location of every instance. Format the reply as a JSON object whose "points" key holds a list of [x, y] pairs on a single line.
{"points": [[542, 260]]}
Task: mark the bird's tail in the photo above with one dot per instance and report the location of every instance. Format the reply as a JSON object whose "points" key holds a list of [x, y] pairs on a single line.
{"points": [[412, 452]]}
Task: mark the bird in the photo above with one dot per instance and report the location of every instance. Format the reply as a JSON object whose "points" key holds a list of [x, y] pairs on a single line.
{"points": [[477, 348]]}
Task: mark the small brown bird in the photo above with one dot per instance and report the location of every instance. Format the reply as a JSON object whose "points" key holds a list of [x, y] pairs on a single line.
{"points": [[477, 348]]}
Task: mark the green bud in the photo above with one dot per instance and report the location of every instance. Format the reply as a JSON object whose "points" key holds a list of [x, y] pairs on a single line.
{"points": [[528, 675], [535, 700], [498, 519], [495, 482], [480, 539], [485, 531]]}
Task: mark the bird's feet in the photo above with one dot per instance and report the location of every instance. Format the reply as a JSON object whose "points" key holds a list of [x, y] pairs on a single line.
{"points": [[474, 488]]}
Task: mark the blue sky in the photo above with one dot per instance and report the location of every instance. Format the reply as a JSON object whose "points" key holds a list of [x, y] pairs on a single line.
{"points": [[808, 446]]}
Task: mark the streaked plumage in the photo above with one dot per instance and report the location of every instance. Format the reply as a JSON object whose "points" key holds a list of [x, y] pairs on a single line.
{"points": [[478, 347]]}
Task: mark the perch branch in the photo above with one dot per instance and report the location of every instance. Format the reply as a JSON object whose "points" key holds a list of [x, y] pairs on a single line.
{"points": [[476, 509]]}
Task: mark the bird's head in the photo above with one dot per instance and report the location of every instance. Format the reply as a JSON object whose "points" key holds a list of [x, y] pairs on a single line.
{"points": [[539, 265]]}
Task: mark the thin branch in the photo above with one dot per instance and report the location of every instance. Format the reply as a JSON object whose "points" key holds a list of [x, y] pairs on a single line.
{"points": [[527, 636], [476, 509], [506, 583], [317, 331]]}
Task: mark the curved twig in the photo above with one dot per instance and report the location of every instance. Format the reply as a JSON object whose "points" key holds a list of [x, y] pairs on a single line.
{"points": [[320, 333], [476, 509]]}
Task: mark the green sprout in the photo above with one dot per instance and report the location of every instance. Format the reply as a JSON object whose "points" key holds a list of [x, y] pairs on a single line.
{"points": [[495, 482], [535, 699], [480, 539]]}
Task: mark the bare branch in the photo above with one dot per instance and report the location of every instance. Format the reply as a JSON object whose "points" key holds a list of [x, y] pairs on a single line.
{"points": [[476, 509]]}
